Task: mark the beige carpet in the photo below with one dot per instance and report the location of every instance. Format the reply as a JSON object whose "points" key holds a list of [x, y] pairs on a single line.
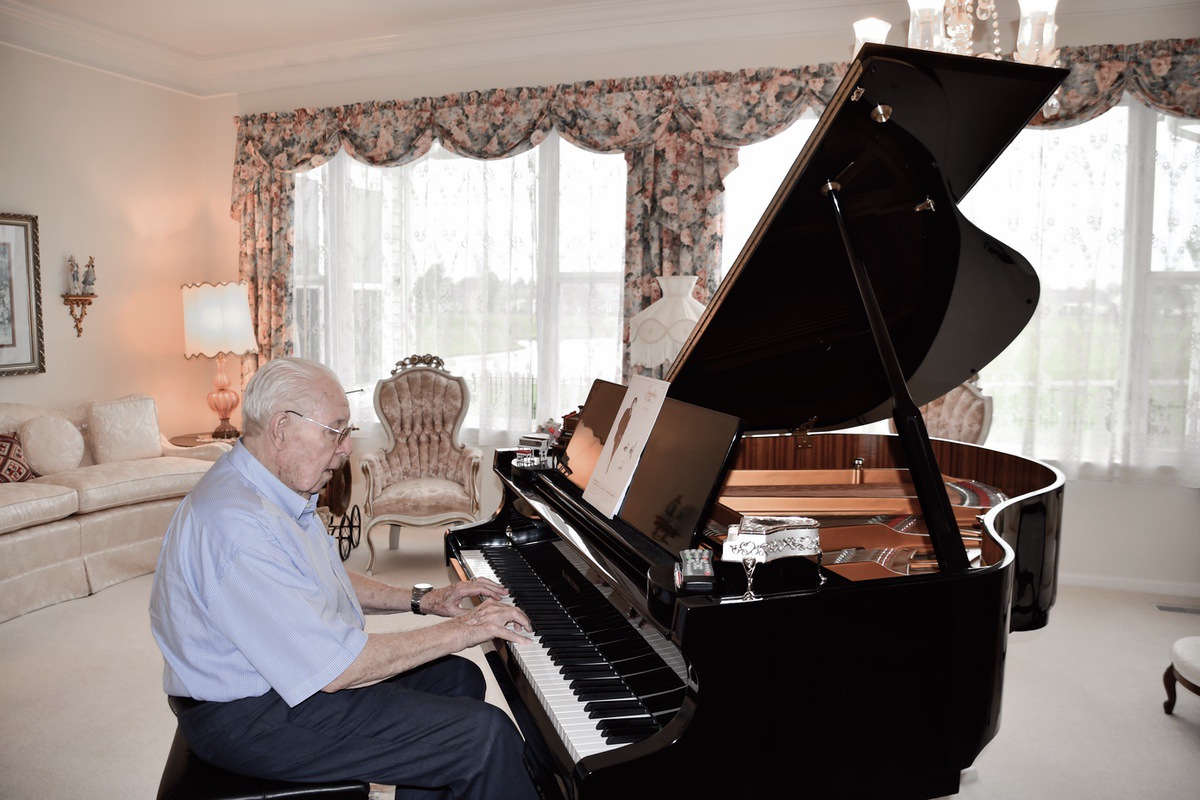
{"points": [[82, 712]]}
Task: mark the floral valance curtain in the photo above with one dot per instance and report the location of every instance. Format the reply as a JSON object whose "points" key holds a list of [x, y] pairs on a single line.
{"points": [[1164, 75], [680, 136]]}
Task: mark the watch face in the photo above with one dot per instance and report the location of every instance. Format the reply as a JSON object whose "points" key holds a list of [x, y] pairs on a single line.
{"points": [[423, 587]]}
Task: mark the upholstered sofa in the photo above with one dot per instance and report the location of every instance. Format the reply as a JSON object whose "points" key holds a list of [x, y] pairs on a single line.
{"points": [[86, 496]]}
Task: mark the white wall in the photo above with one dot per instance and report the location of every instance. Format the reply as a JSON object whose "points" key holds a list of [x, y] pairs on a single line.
{"points": [[139, 177], [116, 169], [1143, 537]]}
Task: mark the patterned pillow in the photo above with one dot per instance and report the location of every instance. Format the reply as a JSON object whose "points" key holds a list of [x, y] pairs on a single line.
{"points": [[13, 468]]}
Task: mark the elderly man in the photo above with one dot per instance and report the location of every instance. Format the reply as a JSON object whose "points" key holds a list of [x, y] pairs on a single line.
{"points": [[268, 667]]}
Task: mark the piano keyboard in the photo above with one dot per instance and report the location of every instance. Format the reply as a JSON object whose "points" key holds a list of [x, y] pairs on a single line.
{"points": [[601, 679]]}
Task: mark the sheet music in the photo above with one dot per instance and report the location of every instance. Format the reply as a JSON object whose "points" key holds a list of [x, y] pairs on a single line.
{"points": [[635, 419]]}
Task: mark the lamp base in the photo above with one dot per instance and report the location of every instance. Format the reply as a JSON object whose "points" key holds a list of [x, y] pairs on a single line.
{"points": [[226, 431], [223, 400]]}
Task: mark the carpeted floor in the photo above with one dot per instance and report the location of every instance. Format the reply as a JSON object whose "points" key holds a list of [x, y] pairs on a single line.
{"points": [[83, 712]]}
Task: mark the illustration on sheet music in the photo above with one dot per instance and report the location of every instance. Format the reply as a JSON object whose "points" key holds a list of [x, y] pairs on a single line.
{"points": [[634, 421]]}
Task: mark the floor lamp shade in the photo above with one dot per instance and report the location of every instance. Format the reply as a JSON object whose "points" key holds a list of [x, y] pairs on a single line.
{"points": [[216, 322]]}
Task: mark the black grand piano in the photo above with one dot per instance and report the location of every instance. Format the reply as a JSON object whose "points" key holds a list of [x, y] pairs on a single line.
{"points": [[874, 670]]}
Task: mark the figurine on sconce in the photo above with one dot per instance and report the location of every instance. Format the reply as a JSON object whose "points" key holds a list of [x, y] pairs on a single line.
{"points": [[76, 286], [81, 290], [89, 276]]}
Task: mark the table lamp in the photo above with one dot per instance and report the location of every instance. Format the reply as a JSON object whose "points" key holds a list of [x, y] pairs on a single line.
{"points": [[658, 332], [216, 322]]}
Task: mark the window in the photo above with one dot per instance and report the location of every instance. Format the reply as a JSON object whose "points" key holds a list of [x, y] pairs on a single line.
{"points": [[511, 270], [749, 188], [1105, 380]]}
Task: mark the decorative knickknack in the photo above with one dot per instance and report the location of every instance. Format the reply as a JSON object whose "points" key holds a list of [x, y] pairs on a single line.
{"points": [[657, 333], [81, 291]]}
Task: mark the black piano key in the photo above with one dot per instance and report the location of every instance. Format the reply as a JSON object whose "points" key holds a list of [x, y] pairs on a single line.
{"points": [[599, 709], [591, 668], [628, 737], [598, 682], [604, 693], [641, 727]]}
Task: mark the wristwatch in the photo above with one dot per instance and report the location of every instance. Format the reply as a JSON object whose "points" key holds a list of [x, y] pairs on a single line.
{"points": [[419, 590]]}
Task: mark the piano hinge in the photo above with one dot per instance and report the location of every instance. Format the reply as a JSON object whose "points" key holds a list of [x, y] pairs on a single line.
{"points": [[927, 205], [857, 94], [801, 434]]}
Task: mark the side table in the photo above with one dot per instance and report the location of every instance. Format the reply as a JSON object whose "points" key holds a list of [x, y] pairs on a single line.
{"points": [[195, 439]]}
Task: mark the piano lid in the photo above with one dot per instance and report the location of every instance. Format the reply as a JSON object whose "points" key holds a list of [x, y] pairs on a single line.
{"points": [[786, 339]]}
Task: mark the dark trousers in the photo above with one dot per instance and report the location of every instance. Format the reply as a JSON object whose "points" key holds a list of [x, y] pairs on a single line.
{"points": [[427, 732]]}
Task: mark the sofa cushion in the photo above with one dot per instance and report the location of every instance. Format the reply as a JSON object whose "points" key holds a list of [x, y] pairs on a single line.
{"points": [[124, 429], [127, 482], [23, 505], [51, 444], [14, 466]]}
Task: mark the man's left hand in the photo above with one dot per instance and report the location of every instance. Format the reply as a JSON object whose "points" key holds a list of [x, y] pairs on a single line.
{"points": [[446, 601]]}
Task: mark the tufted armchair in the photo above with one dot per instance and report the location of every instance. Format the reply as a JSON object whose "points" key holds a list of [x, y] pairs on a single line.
{"points": [[424, 476], [963, 414]]}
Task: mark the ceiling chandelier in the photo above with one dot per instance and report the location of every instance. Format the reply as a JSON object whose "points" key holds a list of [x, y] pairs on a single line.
{"points": [[949, 27]]}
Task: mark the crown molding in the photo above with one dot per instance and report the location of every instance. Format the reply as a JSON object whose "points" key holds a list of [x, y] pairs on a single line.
{"points": [[596, 28], [600, 27]]}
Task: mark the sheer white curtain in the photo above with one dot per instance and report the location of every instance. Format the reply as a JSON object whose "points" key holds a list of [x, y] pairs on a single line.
{"points": [[1105, 381], [510, 270]]}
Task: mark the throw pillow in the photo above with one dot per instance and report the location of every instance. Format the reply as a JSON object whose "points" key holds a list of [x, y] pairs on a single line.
{"points": [[13, 467], [124, 429], [52, 444]]}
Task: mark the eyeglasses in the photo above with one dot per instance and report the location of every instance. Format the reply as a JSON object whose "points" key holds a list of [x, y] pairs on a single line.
{"points": [[341, 435]]}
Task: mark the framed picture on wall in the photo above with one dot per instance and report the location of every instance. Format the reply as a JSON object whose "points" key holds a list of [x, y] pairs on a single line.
{"points": [[21, 348]]}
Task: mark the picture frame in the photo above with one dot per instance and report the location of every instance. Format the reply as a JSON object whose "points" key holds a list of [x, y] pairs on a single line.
{"points": [[22, 351]]}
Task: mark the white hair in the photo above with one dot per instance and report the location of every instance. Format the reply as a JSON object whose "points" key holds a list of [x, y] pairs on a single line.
{"points": [[279, 385]]}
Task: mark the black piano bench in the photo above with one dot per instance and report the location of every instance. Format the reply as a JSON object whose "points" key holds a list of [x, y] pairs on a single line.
{"points": [[186, 777]]}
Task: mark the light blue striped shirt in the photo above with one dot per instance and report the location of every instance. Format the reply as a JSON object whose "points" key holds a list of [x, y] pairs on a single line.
{"points": [[250, 593]]}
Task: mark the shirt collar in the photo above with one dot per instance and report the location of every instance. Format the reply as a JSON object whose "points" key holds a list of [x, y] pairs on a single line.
{"points": [[270, 486]]}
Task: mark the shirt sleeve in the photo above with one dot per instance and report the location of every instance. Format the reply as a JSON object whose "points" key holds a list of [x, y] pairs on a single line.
{"points": [[283, 623]]}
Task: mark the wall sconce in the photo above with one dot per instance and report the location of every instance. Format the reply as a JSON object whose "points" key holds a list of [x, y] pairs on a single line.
{"points": [[80, 290], [871, 29], [216, 323]]}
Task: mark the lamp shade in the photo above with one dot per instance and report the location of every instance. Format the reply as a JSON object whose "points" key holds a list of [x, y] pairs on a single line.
{"points": [[1036, 32], [216, 320], [926, 24], [657, 332]]}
